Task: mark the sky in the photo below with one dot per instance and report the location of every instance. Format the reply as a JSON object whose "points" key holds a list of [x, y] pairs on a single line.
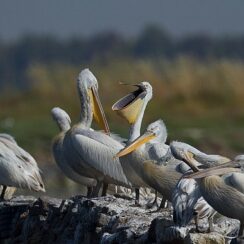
{"points": [[67, 18]]}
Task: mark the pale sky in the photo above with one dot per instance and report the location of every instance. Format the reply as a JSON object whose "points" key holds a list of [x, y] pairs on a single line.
{"points": [[66, 18]]}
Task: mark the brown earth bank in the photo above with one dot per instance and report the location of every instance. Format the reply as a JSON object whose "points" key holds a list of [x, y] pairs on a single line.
{"points": [[99, 220]]}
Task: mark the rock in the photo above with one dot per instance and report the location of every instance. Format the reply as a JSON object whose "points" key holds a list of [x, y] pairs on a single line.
{"points": [[162, 230], [210, 238], [98, 220]]}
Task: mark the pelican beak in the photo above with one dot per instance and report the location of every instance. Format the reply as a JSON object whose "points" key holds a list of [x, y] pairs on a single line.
{"points": [[98, 111], [187, 157], [129, 107], [212, 171], [137, 143]]}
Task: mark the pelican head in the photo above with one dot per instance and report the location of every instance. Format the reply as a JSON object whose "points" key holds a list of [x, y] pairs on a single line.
{"points": [[185, 153], [179, 150], [62, 118], [130, 106], [88, 90], [156, 132]]}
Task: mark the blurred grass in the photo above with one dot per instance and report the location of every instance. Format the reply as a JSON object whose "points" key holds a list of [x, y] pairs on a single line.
{"points": [[200, 102]]}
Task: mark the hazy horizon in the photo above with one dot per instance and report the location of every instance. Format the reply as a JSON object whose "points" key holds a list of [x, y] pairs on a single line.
{"points": [[65, 19]]}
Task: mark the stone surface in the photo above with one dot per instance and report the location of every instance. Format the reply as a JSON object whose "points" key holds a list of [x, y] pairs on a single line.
{"points": [[211, 238], [98, 220]]}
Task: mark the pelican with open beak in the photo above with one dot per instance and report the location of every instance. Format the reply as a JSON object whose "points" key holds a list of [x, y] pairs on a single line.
{"points": [[89, 152], [132, 107], [222, 188]]}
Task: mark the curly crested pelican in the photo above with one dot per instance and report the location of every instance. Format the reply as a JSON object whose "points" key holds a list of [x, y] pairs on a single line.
{"points": [[222, 188], [63, 121], [132, 108], [91, 153], [17, 167], [160, 171], [188, 199]]}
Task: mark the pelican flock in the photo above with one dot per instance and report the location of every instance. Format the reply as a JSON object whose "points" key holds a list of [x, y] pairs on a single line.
{"points": [[198, 184]]}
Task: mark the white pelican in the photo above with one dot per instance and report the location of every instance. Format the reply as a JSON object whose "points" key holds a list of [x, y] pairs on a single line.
{"points": [[132, 108], [17, 167], [63, 121], [164, 173], [160, 173], [91, 153], [225, 194], [187, 197]]}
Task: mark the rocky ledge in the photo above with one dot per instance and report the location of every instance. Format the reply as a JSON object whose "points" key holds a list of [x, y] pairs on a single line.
{"points": [[98, 220]]}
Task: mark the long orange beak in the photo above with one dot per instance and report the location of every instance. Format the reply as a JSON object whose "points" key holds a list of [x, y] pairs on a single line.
{"points": [[98, 111], [137, 143]]}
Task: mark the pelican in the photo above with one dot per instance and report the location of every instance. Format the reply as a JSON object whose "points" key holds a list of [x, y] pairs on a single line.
{"points": [[187, 198], [132, 108], [91, 153], [160, 173], [163, 174], [63, 121], [17, 167], [221, 188]]}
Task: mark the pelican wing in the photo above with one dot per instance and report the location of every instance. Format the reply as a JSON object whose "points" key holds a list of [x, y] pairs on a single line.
{"points": [[20, 153], [98, 150], [15, 160], [64, 166], [185, 197], [161, 178]]}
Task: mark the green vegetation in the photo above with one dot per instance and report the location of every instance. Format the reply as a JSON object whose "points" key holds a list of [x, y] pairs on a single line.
{"points": [[200, 102]]}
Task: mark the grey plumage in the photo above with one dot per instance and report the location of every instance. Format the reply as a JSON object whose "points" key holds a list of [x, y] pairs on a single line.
{"points": [[63, 121], [187, 196], [220, 190], [162, 173]]}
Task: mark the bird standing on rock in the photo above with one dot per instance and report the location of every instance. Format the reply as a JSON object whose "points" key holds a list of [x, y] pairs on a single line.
{"points": [[63, 121], [89, 152]]}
